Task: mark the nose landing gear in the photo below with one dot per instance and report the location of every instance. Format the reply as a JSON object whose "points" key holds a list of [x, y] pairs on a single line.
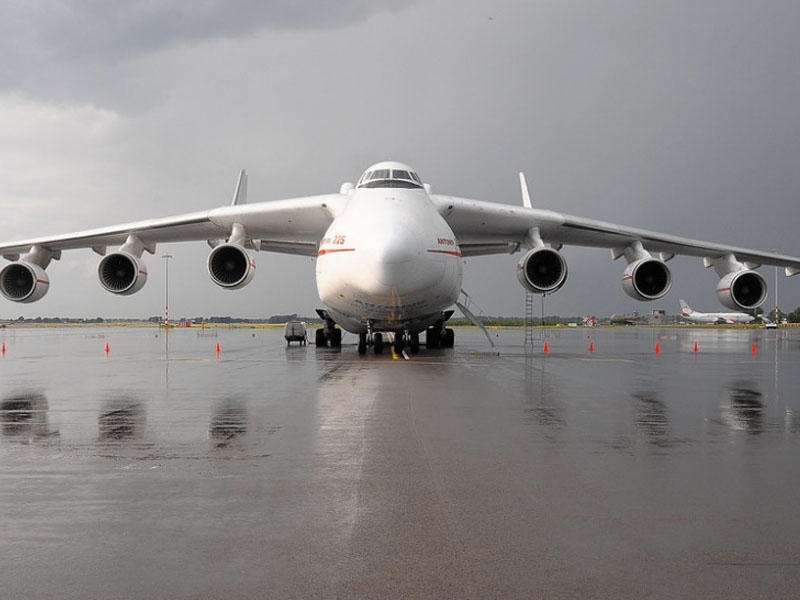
{"points": [[369, 338], [405, 339]]}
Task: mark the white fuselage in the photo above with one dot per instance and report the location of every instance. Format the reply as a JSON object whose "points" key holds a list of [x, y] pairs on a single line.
{"points": [[389, 261], [720, 317]]}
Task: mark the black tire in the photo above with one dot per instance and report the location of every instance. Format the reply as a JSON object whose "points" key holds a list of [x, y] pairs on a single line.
{"points": [[432, 338], [336, 338], [399, 343], [414, 343], [449, 338], [319, 338], [362, 343], [378, 341]]}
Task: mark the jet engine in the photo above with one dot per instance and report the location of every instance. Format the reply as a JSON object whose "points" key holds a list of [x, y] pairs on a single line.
{"points": [[542, 271], [230, 266], [22, 281], [122, 273], [646, 279], [742, 290]]}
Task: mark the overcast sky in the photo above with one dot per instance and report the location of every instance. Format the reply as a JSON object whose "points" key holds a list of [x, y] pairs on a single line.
{"points": [[683, 117]]}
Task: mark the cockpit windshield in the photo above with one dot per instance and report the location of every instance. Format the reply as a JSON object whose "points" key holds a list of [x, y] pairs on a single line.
{"points": [[389, 178]]}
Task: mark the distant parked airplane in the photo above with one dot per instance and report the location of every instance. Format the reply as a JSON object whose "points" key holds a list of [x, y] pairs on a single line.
{"points": [[713, 317], [625, 319]]}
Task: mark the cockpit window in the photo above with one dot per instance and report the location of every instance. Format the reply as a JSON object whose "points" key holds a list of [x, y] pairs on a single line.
{"points": [[390, 178]]}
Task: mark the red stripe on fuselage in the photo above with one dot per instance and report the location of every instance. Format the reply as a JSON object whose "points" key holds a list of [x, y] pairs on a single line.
{"points": [[332, 250], [450, 252]]}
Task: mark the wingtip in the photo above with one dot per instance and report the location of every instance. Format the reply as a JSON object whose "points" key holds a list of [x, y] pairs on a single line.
{"points": [[240, 193], [523, 185]]}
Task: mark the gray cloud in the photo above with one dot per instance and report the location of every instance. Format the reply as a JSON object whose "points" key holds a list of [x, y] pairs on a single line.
{"points": [[36, 38], [679, 118]]}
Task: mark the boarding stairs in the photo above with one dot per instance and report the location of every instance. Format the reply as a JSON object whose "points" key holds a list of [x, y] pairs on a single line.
{"points": [[465, 308]]}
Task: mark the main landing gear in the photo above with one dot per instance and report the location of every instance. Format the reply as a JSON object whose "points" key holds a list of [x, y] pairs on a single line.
{"points": [[403, 339], [439, 336], [436, 336], [329, 334]]}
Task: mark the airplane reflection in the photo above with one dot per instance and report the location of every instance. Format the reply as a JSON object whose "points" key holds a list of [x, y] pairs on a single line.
{"points": [[742, 407], [121, 418], [23, 418], [651, 418], [228, 422]]}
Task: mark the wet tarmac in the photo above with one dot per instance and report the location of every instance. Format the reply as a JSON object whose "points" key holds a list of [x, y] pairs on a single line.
{"points": [[164, 470]]}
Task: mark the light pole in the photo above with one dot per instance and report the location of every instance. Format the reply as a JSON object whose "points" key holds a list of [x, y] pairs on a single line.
{"points": [[777, 321], [166, 258]]}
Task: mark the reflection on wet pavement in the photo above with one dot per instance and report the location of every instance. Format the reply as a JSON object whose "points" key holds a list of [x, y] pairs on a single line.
{"points": [[228, 422], [742, 407], [294, 472], [120, 419], [23, 418], [651, 418]]}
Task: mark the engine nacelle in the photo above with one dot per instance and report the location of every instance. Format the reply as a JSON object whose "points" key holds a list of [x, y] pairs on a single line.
{"points": [[122, 273], [646, 279], [742, 290], [542, 271], [22, 281], [230, 266]]}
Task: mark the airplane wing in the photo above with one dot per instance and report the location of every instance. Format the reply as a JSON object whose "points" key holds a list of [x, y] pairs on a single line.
{"points": [[492, 228], [292, 226]]}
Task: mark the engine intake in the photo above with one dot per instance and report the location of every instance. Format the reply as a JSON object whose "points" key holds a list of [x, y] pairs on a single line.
{"points": [[22, 281], [542, 271], [742, 290], [646, 279], [122, 273], [230, 266]]}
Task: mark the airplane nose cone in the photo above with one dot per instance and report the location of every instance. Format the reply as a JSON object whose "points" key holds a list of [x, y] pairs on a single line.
{"points": [[394, 256], [391, 262], [396, 245]]}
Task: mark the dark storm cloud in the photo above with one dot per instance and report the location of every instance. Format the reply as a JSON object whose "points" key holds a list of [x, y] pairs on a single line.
{"points": [[34, 35]]}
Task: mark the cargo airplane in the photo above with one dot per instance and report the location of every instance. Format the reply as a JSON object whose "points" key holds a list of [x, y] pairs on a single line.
{"points": [[389, 253], [713, 317]]}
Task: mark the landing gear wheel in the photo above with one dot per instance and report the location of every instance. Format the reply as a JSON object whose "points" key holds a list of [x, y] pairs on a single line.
{"points": [[378, 341], [414, 343], [448, 339], [336, 338], [319, 338], [399, 342], [432, 337], [362, 343]]}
